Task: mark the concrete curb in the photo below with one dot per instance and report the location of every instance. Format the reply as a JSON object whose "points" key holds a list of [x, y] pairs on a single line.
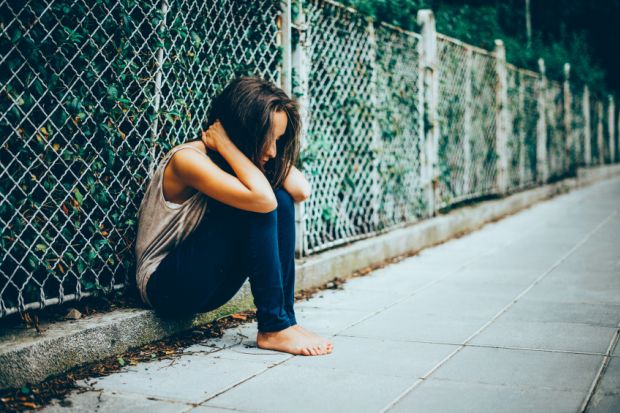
{"points": [[27, 357]]}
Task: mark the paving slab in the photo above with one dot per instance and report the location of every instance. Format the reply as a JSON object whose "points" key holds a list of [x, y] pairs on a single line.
{"points": [[210, 409], [353, 299], [190, 379], [592, 291], [529, 368], [308, 389], [328, 321], [458, 286], [506, 260], [546, 336], [103, 401], [395, 280], [606, 398], [451, 304], [399, 325], [434, 396], [515, 276], [385, 357], [526, 309]]}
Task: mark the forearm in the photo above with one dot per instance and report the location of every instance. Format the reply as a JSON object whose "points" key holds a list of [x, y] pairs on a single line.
{"points": [[244, 168], [297, 185]]}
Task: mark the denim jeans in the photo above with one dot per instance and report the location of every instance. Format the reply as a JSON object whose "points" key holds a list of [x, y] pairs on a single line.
{"points": [[229, 245]]}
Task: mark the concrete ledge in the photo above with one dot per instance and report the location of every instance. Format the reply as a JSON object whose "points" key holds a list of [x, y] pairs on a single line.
{"points": [[27, 357]]}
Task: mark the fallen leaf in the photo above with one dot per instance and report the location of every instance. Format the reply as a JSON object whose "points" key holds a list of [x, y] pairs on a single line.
{"points": [[30, 404], [239, 316], [73, 314]]}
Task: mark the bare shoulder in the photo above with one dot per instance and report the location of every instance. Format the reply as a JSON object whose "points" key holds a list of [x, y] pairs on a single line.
{"points": [[183, 149], [181, 160]]}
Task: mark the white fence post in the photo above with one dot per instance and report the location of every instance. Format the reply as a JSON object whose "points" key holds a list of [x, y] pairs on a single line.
{"points": [[618, 132], [542, 170], [617, 158], [599, 133], [430, 93], [301, 64], [375, 190], [569, 140], [283, 39], [502, 117], [467, 120], [157, 95], [587, 128], [611, 129], [522, 130]]}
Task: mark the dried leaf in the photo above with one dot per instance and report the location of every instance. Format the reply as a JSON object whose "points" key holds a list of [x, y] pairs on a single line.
{"points": [[73, 314], [239, 316], [30, 405]]}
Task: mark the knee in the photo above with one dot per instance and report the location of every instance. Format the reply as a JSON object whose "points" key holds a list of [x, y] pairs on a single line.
{"points": [[285, 200], [286, 204]]}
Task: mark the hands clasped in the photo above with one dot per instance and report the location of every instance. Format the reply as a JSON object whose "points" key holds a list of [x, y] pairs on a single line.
{"points": [[214, 136]]}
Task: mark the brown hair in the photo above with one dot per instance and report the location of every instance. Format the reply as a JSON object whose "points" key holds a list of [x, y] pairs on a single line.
{"points": [[245, 109]]}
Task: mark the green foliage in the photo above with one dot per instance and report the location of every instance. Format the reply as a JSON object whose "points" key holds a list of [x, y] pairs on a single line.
{"points": [[481, 22], [77, 104]]}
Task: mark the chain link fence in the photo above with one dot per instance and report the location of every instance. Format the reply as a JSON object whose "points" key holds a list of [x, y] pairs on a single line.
{"points": [[521, 145], [92, 95]]}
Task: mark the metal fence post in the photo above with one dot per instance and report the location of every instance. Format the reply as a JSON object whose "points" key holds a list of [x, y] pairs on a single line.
{"points": [[502, 117], [618, 132], [300, 64], [600, 139], [611, 112], [542, 168], [522, 130], [376, 143], [587, 128], [284, 40], [570, 158], [429, 93], [617, 156], [158, 83], [467, 122]]}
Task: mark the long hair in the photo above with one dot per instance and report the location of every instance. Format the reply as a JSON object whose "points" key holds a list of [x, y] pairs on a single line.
{"points": [[245, 108]]}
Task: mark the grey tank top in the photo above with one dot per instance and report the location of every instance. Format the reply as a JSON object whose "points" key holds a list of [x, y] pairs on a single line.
{"points": [[160, 227]]}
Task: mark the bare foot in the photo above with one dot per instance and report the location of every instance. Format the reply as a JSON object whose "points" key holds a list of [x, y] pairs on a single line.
{"points": [[325, 342], [290, 340]]}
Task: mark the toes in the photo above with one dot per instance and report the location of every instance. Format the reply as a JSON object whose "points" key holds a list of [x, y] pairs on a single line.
{"points": [[305, 352]]}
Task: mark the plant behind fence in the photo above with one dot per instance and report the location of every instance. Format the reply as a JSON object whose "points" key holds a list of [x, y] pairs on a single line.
{"points": [[397, 124]]}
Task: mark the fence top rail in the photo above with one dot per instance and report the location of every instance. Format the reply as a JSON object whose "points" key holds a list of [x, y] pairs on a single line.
{"points": [[401, 30], [523, 71], [345, 7], [461, 43]]}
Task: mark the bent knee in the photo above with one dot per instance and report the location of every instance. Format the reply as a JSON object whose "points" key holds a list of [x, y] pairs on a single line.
{"points": [[285, 200]]}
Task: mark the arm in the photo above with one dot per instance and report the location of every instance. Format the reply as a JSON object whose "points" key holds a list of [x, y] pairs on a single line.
{"points": [[297, 185], [249, 190]]}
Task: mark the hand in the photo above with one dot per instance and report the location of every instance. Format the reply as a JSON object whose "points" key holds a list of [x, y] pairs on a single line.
{"points": [[214, 135]]}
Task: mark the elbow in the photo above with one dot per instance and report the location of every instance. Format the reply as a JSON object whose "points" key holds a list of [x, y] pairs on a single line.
{"points": [[303, 194], [266, 203]]}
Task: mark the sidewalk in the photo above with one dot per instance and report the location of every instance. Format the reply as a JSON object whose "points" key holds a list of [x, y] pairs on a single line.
{"points": [[516, 317]]}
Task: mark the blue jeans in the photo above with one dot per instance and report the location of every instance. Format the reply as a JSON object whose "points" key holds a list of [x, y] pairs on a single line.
{"points": [[229, 245]]}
